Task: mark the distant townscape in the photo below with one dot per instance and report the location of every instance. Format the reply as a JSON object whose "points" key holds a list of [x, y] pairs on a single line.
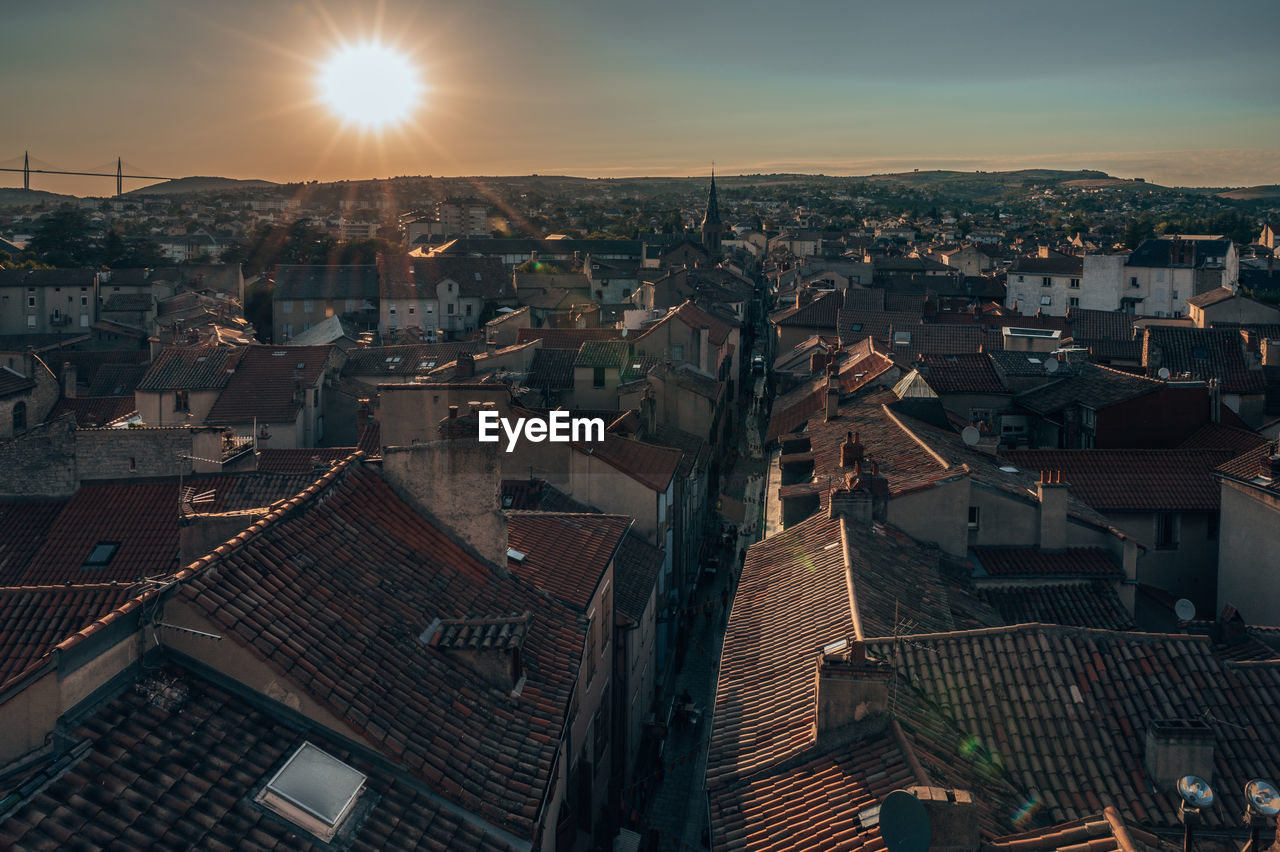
{"points": [[928, 511]]}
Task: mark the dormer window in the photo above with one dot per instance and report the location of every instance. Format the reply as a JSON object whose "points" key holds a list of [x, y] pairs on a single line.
{"points": [[314, 790], [100, 556]]}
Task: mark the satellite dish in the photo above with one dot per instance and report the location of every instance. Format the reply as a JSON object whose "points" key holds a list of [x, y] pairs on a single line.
{"points": [[971, 435], [1262, 796], [1051, 366], [1195, 791], [1186, 611], [904, 823], [1163, 372]]}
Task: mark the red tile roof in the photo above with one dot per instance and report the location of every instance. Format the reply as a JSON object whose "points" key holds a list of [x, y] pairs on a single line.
{"points": [[301, 460], [635, 571], [191, 368], [12, 382], [1094, 385], [565, 338], [792, 599], [140, 517], [91, 411], [1219, 436], [26, 524], [822, 312], [1093, 603], [1103, 832], [35, 618], [863, 365], [649, 464], [333, 590], [1057, 716], [1033, 562], [1133, 480], [696, 318], [265, 384], [963, 373], [151, 774], [565, 555]]}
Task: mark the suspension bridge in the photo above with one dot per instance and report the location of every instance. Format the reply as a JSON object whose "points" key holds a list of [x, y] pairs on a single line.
{"points": [[119, 174]]}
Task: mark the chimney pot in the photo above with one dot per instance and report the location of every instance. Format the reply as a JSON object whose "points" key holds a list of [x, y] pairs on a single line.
{"points": [[453, 412]]}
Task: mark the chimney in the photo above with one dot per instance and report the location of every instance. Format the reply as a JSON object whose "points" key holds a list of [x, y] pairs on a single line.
{"points": [[851, 451], [953, 816], [704, 349], [817, 362], [491, 647], [68, 380], [1178, 747], [1042, 252], [363, 412], [1270, 352], [833, 397], [852, 696], [466, 367], [853, 501], [1052, 494], [456, 483]]}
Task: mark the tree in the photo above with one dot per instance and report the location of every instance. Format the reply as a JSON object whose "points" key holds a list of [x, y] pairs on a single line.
{"points": [[1137, 230], [66, 238]]}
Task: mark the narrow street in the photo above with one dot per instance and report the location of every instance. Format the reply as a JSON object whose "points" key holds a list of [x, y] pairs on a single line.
{"points": [[677, 810]]}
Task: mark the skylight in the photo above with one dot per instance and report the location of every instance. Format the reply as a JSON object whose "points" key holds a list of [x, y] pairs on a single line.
{"points": [[314, 790], [516, 555], [901, 338], [102, 553]]}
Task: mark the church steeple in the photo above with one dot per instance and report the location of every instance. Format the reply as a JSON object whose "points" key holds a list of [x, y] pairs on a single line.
{"points": [[712, 227]]}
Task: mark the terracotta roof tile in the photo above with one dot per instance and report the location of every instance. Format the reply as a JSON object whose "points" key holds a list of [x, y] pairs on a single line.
{"points": [[356, 575], [26, 524], [565, 338], [1202, 353], [180, 771], [551, 369], [1033, 562], [142, 519], [861, 366], [90, 411], [564, 554], [301, 461], [1086, 604], [12, 382], [265, 384], [1133, 480], [1219, 436], [191, 368], [963, 373], [1027, 714], [35, 618], [1093, 385], [649, 464], [635, 572], [401, 360]]}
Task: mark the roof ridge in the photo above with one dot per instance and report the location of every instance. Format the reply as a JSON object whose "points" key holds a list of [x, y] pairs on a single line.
{"points": [[65, 587], [229, 546], [932, 452], [1030, 626]]}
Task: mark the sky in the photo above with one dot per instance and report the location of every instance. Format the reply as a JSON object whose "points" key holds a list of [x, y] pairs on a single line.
{"points": [[1179, 92]]}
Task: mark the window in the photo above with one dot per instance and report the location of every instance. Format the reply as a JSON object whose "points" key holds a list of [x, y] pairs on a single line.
{"points": [[84, 301], [308, 306], [314, 790], [19, 417], [468, 307], [597, 378], [181, 401], [31, 301], [593, 641], [1046, 281], [287, 329], [411, 310], [450, 309], [1166, 531], [1133, 281], [100, 556], [600, 731], [84, 320], [391, 309], [1075, 284], [1020, 279], [286, 306], [982, 419], [1046, 300], [351, 305], [677, 352], [1074, 302], [973, 517]]}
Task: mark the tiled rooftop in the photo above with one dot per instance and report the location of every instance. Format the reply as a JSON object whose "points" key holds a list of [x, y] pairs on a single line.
{"points": [[35, 618], [191, 368], [93, 410], [565, 338], [649, 464], [182, 775], [1095, 386], [402, 360], [1102, 832], [1055, 718], [565, 555], [1202, 353], [963, 373], [1033, 562], [1133, 480], [332, 592], [356, 282], [12, 382], [635, 571], [301, 460], [1092, 603], [603, 353], [265, 384]]}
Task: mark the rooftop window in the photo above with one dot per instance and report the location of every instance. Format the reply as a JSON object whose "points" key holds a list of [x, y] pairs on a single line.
{"points": [[101, 555], [902, 338], [313, 790]]}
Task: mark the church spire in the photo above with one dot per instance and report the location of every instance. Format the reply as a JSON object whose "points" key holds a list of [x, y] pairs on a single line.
{"points": [[712, 227]]}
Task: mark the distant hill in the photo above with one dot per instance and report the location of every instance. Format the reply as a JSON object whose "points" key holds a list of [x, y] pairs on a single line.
{"points": [[1252, 193], [200, 184], [12, 197]]}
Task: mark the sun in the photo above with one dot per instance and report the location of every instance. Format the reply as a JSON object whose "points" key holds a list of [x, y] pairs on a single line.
{"points": [[370, 84]]}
